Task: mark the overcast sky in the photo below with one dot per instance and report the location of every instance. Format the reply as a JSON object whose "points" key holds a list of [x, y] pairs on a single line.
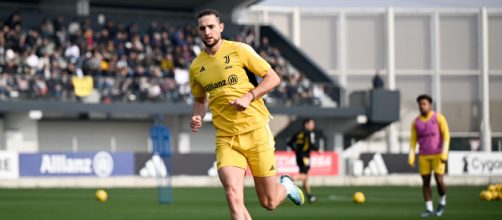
{"points": [[385, 3]]}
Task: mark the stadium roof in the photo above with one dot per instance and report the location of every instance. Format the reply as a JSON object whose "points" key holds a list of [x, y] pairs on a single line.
{"points": [[178, 5], [384, 3], [186, 5]]}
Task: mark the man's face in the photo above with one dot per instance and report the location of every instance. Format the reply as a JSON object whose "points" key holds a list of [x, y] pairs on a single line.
{"points": [[209, 28], [425, 106], [310, 125]]}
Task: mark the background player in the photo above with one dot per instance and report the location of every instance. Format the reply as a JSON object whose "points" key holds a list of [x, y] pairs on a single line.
{"points": [[303, 142], [239, 116], [430, 130]]}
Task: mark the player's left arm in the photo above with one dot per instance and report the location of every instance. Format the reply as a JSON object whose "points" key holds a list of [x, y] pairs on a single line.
{"points": [[445, 135], [256, 64]]}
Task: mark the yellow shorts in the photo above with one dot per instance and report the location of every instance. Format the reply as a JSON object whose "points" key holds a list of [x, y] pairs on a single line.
{"points": [[255, 148], [428, 163]]}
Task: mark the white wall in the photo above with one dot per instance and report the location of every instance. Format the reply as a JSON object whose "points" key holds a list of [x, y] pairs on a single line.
{"points": [[58, 135], [366, 51], [413, 40], [495, 41], [459, 42], [20, 132], [496, 102], [317, 29], [283, 22], [365, 42]]}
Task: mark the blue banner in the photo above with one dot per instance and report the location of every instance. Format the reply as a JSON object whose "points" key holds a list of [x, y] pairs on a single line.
{"points": [[100, 164]]}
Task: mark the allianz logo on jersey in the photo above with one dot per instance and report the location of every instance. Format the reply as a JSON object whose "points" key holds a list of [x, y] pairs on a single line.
{"points": [[101, 164], [232, 80]]}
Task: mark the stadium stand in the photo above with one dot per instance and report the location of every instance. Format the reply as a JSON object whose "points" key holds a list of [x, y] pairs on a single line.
{"points": [[126, 63]]}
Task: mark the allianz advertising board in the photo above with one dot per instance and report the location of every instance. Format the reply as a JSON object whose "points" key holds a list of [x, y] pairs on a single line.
{"points": [[100, 164]]}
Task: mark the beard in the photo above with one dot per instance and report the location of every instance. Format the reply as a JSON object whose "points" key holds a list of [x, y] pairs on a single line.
{"points": [[208, 45]]}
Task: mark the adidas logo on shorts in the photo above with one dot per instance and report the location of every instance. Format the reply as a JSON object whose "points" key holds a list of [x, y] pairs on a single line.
{"points": [[272, 168]]}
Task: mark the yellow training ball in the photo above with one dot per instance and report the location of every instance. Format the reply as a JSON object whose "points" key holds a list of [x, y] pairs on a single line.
{"points": [[359, 197], [495, 195], [101, 195], [492, 187], [486, 195], [499, 187]]}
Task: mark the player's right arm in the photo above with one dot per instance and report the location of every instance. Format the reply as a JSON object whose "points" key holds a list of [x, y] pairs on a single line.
{"points": [[199, 108], [413, 145]]}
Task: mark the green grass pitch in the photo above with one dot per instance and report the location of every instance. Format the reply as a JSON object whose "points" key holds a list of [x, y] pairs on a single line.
{"points": [[209, 203]]}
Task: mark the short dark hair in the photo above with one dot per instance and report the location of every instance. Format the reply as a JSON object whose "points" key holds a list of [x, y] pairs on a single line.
{"points": [[307, 120], [424, 96], [206, 12]]}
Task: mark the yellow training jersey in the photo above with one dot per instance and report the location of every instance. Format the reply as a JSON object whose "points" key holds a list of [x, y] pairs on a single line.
{"points": [[223, 77]]}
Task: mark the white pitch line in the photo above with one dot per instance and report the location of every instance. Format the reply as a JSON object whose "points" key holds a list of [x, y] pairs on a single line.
{"points": [[339, 198]]}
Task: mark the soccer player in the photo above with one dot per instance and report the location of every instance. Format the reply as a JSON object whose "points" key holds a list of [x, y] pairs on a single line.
{"points": [[218, 78], [430, 130], [303, 142]]}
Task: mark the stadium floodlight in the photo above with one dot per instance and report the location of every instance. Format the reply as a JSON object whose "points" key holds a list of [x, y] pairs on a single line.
{"points": [[35, 114]]}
